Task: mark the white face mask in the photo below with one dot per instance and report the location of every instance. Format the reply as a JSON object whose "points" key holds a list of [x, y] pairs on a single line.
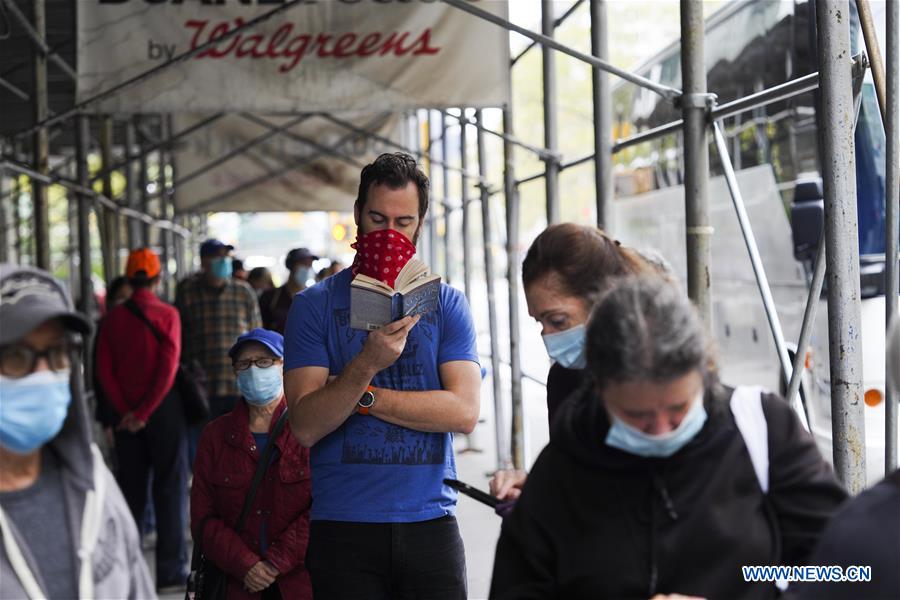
{"points": [[623, 436]]}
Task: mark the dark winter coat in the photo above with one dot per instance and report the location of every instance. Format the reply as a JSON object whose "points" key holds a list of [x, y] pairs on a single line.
{"points": [[596, 522]]}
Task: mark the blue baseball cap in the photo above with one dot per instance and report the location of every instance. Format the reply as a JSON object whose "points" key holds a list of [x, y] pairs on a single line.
{"points": [[213, 246], [268, 338]]}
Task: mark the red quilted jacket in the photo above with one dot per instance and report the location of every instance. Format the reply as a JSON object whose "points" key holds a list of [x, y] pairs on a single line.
{"points": [[227, 457]]}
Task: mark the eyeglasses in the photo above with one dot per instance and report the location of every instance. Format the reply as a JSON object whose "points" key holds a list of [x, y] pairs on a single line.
{"points": [[262, 363], [19, 360]]}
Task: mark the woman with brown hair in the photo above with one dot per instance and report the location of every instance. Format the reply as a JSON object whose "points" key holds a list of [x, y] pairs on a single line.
{"points": [[566, 268]]}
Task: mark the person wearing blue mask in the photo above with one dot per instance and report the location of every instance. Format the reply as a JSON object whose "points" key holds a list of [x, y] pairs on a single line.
{"points": [[275, 304], [215, 308], [265, 558], [658, 479], [66, 529], [566, 267]]}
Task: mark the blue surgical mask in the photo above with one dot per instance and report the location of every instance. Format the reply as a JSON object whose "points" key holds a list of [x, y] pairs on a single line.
{"points": [[302, 275], [33, 409], [221, 267], [634, 441], [260, 386], [567, 347]]}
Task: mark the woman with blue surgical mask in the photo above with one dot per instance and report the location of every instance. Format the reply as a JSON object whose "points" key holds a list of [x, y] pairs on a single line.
{"points": [[565, 269], [264, 559], [658, 479]]}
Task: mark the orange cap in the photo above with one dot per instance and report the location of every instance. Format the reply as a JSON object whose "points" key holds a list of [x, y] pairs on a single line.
{"points": [[142, 259]]}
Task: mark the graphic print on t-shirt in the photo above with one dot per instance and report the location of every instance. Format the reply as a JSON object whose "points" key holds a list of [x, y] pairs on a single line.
{"points": [[368, 440], [373, 442]]}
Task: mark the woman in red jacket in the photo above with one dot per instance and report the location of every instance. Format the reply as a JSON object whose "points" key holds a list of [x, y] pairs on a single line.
{"points": [[265, 559]]}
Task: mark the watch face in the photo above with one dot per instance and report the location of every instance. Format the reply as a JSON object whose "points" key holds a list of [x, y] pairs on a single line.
{"points": [[367, 400]]}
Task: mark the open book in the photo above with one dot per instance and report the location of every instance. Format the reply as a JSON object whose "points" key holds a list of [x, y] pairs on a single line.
{"points": [[374, 303]]}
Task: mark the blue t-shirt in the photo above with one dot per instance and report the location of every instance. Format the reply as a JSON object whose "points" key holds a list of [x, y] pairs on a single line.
{"points": [[369, 470]]}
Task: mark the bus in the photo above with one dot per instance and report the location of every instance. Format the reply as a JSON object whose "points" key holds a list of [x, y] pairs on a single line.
{"points": [[751, 46]]}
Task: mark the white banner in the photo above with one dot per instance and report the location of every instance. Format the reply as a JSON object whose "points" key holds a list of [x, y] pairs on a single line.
{"points": [[321, 55], [247, 163]]}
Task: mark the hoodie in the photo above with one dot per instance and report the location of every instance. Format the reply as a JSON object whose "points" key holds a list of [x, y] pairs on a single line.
{"points": [[101, 524], [596, 522]]}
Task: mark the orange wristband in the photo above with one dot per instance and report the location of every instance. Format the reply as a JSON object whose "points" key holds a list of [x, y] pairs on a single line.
{"points": [[369, 395]]}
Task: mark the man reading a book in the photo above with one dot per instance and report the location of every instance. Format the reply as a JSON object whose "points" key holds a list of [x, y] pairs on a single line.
{"points": [[379, 409]]}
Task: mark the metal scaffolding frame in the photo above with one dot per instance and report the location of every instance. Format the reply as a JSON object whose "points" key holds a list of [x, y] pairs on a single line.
{"points": [[700, 112]]}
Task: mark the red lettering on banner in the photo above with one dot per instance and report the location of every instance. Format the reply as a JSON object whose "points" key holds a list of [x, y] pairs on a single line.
{"points": [[344, 43], [242, 50], [395, 44], [295, 52], [280, 44], [423, 47], [369, 45], [280, 35], [321, 41]]}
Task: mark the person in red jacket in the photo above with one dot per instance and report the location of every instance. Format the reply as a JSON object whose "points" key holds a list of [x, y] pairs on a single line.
{"points": [[138, 348], [265, 559]]}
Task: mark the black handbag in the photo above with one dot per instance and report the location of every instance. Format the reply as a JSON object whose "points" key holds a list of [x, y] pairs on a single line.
{"points": [[207, 581], [190, 380]]}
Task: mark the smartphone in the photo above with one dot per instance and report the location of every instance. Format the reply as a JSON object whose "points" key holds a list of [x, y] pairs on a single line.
{"points": [[475, 493]]}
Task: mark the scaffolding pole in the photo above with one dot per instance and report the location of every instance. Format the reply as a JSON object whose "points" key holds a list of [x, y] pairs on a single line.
{"points": [[511, 193], [4, 219], [41, 145], [464, 206], [108, 220], [134, 227], [892, 198], [759, 271], [602, 114], [142, 180], [445, 204], [551, 122], [503, 448], [82, 139], [694, 107], [430, 223], [841, 237], [870, 36]]}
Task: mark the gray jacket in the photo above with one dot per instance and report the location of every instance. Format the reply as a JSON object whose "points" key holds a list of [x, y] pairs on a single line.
{"points": [[102, 526]]}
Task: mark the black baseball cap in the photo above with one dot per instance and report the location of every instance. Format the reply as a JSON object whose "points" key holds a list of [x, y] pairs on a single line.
{"points": [[30, 297], [296, 255], [213, 246]]}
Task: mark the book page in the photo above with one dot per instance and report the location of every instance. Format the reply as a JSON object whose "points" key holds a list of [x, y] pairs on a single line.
{"points": [[369, 310], [369, 283], [413, 269]]}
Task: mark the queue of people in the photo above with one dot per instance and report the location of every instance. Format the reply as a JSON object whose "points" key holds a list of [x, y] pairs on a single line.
{"points": [[320, 469]]}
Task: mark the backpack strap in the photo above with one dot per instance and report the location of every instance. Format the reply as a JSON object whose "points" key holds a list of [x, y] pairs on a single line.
{"points": [[132, 306], [746, 406]]}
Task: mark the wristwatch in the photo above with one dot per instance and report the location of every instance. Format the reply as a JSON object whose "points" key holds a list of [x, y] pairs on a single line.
{"points": [[367, 401]]}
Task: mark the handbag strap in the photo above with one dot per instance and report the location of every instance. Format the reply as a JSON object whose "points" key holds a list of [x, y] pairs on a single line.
{"points": [[261, 470], [136, 310]]}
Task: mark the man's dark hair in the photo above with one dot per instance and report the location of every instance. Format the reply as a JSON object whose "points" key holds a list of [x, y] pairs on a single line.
{"points": [[395, 171], [140, 280]]}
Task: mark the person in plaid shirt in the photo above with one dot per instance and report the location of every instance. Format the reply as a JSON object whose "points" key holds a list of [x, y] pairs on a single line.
{"points": [[215, 309]]}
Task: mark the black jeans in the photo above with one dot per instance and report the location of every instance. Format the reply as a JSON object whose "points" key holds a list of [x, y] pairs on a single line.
{"points": [[391, 561], [159, 451]]}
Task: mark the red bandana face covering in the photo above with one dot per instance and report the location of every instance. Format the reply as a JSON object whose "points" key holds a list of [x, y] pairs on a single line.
{"points": [[382, 254]]}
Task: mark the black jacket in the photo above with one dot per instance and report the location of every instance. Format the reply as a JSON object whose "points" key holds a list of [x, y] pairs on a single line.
{"points": [[865, 532], [596, 522], [561, 384]]}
